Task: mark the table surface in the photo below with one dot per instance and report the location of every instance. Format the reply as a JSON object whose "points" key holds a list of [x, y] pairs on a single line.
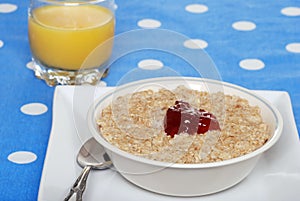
{"points": [[253, 43]]}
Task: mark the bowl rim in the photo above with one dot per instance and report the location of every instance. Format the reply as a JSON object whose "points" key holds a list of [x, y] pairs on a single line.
{"points": [[96, 134]]}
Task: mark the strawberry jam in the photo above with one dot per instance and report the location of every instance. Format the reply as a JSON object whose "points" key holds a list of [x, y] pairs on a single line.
{"points": [[182, 118]]}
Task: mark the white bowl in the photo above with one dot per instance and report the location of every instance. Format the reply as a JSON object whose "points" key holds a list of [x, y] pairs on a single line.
{"points": [[185, 179]]}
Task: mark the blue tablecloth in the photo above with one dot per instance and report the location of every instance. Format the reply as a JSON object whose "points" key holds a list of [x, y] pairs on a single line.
{"points": [[253, 43]]}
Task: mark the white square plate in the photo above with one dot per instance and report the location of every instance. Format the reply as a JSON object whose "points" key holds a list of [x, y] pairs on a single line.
{"points": [[275, 178]]}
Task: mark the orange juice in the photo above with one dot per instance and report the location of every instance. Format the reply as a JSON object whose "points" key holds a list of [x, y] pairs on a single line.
{"points": [[63, 36]]}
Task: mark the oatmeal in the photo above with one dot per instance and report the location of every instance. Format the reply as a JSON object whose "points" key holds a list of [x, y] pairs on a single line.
{"points": [[135, 123]]}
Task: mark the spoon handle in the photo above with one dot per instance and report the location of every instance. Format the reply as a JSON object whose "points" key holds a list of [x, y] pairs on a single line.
{"points": [[79, 185]]}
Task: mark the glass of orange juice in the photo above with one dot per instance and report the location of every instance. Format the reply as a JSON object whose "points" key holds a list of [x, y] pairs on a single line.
{"points": [[63, 34]]}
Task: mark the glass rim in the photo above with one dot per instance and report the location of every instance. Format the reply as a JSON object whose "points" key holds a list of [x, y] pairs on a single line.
{"points": [[72, 2]]}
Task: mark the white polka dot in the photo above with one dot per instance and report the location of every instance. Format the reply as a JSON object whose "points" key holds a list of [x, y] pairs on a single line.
{"points": [[150, 64], [149, 23], [195, 44], [115, 6], [293, 47], [22, 157], [291, 11], [7, 8], [252, 64], [1, 43], [34, 108], [196, 8], [244, 26], [30, 65]]}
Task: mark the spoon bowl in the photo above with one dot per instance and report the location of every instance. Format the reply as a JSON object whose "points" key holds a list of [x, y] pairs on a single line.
{"points": [[90, 156], [93, 154]]}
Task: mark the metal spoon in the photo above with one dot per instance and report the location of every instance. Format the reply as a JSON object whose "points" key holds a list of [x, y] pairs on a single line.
{"points": [[91, 156]]}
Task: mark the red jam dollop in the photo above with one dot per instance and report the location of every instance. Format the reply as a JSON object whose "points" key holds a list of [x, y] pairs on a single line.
{"points": [[182, 118]]}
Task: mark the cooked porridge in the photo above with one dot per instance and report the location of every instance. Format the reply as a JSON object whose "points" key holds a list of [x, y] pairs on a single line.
{"points": [[137, 123]]}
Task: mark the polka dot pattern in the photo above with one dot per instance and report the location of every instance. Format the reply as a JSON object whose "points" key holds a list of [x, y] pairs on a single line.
{"points": [[196, 8], [291, 11], [150, 64], [7, 8], [252, 64], [293, 47], [244, 26], [195, 44], [115, 6], [149, 23], [1, 43], [22, 157], [34, 109]]}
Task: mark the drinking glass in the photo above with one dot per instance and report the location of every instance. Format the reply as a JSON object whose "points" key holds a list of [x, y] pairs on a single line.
{"points": [[63, 33]]}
